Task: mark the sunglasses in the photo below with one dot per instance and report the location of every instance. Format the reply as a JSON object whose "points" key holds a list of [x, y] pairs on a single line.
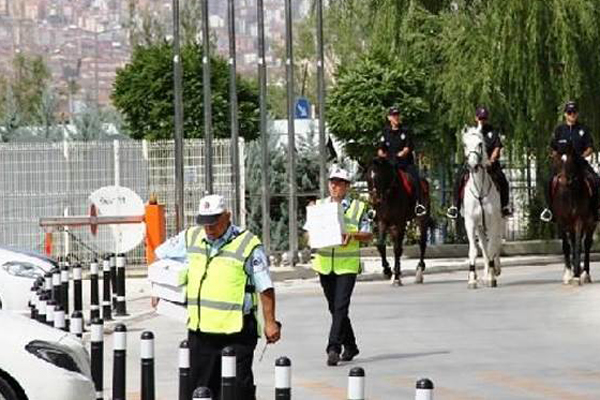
{"points": [[571, 112]]}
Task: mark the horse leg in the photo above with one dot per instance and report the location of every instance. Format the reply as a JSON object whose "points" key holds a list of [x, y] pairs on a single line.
{"points": [[387, 272], [576, 248], [398, 239], [566, 247], [488, 261], [470, 228], [423, 227], [587, 246]]}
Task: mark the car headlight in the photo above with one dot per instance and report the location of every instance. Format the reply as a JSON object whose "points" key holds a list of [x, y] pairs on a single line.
{"points": [[53, 354], [23, 269]]}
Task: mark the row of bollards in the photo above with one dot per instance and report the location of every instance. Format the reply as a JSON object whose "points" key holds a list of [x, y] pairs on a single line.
{"points": [[283, 371], [51, 292]]}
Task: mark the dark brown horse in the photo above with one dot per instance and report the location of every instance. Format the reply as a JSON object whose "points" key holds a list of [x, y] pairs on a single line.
{"points": [[574, 214], [394, 208]]}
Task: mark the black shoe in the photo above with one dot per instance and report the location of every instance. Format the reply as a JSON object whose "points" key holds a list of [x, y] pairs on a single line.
{"points": [[349, 353], [333, 358], [506, 211]]}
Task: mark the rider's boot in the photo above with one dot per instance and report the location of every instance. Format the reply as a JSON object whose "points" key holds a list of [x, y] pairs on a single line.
{"points": [[546, 215], [507, 211]]}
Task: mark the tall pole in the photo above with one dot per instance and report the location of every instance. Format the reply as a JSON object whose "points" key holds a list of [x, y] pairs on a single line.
{"points": [[233, 107], [177, 76], [289, 68], [264, 138], [321, 99], [96, 79], [208, 151]]}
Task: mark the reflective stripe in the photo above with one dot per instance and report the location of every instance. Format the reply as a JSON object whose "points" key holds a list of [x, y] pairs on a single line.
{"points": [[196, 250], [196, 231], [215, 305], [339, 254]]}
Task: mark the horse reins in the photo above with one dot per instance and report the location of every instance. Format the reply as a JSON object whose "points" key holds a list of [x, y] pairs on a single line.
{"points": [[478, 196]]}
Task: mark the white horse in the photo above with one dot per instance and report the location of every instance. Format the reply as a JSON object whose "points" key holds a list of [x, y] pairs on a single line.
{"points": [[481, 210]]}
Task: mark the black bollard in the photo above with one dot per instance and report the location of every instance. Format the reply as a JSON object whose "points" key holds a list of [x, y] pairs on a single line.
{"points": [[113, 279], [50, 306], [77, 289], [76, 325], [147, 359], [356, 384], [33, 302], [59, 318], [41, 309], [121, 309], [424, 390], [106, 307], [184, 370], [64, 279], [48, 281], [283, 378], [94, 297], [228, 369], [119, 362], [202, 393], [97, 355], [56, 286]]}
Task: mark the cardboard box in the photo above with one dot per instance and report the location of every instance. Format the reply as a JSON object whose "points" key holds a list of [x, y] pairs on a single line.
{"points": [[325, 225], [175, 311], [168, 272], [167, 292]]}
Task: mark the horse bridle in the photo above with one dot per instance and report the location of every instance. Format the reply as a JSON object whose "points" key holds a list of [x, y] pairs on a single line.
{"points": [[479, 195]]}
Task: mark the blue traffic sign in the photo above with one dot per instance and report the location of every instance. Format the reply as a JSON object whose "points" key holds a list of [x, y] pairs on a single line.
{"points": [[302, 108]]}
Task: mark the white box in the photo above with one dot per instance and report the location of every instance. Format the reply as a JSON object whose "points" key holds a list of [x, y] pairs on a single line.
{"points": [[175, 311], [167, 272], [325, 225], [167, 292]]}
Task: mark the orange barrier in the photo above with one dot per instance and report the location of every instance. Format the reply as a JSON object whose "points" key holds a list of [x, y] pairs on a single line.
{"points": [[155, 228]]}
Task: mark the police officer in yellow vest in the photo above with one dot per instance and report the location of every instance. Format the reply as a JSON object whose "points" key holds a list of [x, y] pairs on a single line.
{"points": [[227, 267], [338, 266]]}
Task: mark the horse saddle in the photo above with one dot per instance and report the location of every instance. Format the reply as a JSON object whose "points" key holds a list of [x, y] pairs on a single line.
{"points": [[589, 184], [408, 184], [465, 179]]}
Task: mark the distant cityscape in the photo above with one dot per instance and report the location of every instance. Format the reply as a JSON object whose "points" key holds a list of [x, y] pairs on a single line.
{"points": [[84, 42]]}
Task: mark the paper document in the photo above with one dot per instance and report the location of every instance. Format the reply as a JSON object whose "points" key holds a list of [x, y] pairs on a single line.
{"points": [[325, 225]]}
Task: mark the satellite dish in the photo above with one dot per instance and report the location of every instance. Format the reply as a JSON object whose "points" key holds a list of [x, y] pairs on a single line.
{"points": [[118, 201]]}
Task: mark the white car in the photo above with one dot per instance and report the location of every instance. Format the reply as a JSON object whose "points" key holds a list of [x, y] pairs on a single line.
{"points": [[40, 362], [18, 272]]}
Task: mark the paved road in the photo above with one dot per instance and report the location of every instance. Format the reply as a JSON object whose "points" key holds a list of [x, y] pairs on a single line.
{"points": [[530, 338]]}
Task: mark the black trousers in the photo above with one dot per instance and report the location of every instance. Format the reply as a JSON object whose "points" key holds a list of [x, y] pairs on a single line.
{"points": [[338, 291], [205, 359], [498, 177]]}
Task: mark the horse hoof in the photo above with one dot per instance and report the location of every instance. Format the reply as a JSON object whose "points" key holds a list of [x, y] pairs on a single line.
{"points": [[585, 277], [472, 285], [419, 276], [567, 276], [397, 283], [493, 283], [588, 279], [387, 273], [575, 282]]}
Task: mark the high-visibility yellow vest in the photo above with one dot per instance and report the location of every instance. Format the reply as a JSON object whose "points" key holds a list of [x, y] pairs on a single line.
{"points": [[216, 285], [342, 259]]}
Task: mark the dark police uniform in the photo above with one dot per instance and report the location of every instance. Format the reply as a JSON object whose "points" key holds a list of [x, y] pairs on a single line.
{"points": [[491, 139], [394, 141], [580, 138]]}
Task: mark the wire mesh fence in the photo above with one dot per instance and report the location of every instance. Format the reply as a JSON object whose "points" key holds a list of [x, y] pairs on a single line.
{"points": [[55, 179]]}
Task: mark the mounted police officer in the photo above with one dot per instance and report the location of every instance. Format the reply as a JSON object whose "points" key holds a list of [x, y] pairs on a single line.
{"points": [[338, 267], [493, 147], [396, 144], [227, 267], [579, 136]]}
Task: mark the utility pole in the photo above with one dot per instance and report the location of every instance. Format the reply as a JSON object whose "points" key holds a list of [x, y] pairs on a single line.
{"points": [[321, 99], [264, 138], [233, 109], [177, 77], [289, 67], [208, 137]]}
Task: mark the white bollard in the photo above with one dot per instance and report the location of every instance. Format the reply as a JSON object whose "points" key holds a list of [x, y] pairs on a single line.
{"points": [[356, 384], [424, 390]]}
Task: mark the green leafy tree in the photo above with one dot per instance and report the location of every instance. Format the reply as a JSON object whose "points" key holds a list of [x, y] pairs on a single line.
{"points": [[143, 93], [31, 77]]}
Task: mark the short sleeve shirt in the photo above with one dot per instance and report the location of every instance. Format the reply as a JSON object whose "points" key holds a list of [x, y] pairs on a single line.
{"points": [[578, 135], [395, 140]]}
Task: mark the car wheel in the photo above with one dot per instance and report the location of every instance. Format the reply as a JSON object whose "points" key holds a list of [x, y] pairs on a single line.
{"points": [[6, 391]]}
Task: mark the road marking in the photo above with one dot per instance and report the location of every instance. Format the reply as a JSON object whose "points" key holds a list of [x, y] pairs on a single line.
{"points": [[532, 385]]}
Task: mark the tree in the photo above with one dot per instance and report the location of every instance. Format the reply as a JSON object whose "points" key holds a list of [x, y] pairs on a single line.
{"points": [[46, 114], [358, 103], [11, 120], [143, 93], [31, 77]]}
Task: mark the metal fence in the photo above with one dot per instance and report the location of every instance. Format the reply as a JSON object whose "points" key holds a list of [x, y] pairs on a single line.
{"points": [[55, 179]]}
